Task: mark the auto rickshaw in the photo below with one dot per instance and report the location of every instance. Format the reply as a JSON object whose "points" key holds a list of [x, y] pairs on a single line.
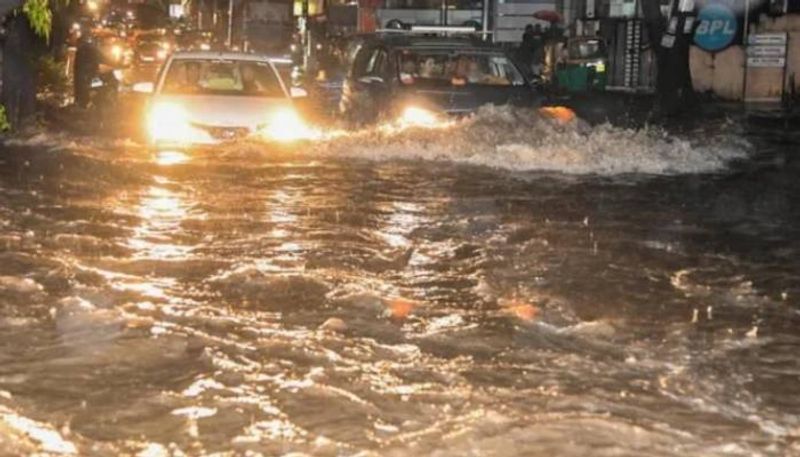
{"points": [[583, 65]]}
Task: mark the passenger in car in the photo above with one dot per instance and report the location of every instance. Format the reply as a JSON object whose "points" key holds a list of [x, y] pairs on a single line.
{"points": [[427, 68]]}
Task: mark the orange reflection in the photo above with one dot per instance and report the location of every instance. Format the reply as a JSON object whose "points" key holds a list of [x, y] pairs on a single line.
{"points": [[400, 308], [519, 309], [561, 114]]}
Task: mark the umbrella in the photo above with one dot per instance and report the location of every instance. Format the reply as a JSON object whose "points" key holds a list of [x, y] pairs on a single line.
{"points": [[547, 15]]}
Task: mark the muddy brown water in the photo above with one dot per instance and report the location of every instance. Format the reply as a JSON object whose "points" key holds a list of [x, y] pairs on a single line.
{"points": [[393, 297]]}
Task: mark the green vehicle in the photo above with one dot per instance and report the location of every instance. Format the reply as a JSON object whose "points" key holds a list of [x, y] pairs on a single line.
{"points": [[583, 66]]}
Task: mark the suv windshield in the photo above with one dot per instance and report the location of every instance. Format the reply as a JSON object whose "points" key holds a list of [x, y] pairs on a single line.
{"points": [[222, 77], [420, 67]]}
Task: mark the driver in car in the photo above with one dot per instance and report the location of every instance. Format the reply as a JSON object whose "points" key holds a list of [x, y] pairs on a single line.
{"points": [[408, 70], [474, 73], [461, 71], [192, 76], [249, 83]]}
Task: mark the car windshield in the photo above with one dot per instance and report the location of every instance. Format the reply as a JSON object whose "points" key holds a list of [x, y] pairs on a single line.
{"points": [[149, 45], [222, 77], [458, 68], [285, 71]]}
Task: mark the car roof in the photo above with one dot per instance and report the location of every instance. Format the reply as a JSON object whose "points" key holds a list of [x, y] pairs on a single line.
{"points": [[280, 60], [219, 55]]}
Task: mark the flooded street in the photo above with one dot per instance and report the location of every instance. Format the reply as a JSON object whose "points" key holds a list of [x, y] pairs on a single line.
{"points": [[475, 290]]}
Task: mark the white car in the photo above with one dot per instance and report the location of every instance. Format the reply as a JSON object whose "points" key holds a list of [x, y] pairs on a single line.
{"points": [[207, 98]]}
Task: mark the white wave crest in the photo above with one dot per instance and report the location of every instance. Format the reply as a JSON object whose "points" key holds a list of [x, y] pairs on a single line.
{"points": [[522, 140]]}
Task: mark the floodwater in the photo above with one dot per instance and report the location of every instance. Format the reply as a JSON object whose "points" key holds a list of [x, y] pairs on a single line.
{"points": [[505, 286]]}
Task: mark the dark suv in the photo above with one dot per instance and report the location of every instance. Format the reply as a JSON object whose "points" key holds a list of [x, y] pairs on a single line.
{"points": [[391, 72]]}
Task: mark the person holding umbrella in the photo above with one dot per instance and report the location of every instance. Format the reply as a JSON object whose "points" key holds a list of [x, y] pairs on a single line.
{"points": [[529, 54], [553, 42]]}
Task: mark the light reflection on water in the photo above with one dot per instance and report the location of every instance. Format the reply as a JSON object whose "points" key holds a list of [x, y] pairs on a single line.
{"points": [[351, 308], [168, 158], [161, 211]]}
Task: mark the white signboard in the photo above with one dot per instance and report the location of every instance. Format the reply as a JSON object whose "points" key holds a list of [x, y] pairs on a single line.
{"points": [[766, 51], [766, 62], [686, 5], [176, 11], [688, 24], [767, 39]]}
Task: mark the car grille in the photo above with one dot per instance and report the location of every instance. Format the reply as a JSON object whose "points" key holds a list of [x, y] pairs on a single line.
{"points": [[225, 133]]}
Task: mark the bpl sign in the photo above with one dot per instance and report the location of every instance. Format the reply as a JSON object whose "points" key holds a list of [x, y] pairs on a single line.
{"points": [[716, 28]]}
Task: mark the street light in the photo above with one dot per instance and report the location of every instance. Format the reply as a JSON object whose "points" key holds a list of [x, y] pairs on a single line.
{"points": [[230, 23]]}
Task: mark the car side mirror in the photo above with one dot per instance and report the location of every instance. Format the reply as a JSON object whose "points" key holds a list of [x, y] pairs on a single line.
{"points": [[144, 87], [298, 92]]}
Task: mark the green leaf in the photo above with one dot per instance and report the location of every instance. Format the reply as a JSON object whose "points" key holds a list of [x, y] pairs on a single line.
{"points": [[4, 124], [40, 16]]}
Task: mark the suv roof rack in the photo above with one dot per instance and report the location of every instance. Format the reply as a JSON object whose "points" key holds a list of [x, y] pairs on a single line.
{"points": [[435, 29]]}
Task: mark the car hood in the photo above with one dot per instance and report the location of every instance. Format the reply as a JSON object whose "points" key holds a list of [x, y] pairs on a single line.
{"points": [[227, 111]]}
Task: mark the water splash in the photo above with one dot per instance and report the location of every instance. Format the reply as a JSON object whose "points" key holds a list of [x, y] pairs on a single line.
{"points": [[523, 140]]}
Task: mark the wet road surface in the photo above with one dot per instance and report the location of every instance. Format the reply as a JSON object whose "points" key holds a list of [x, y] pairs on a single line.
{"points": [[477, 290]]}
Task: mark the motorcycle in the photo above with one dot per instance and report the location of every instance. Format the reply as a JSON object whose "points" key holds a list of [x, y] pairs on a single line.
{"points": [[103, 98]]}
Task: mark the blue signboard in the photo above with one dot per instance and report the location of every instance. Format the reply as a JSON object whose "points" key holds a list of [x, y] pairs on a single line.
{"points": [[716, 28]]}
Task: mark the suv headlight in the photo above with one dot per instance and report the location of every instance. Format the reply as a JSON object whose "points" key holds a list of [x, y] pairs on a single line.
{"points": [[413, 116]]}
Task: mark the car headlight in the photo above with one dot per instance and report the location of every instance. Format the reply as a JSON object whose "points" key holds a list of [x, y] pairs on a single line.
{"points": [[169, 122], [418, 117], [161, 54], [286, 125], [205, 47]]}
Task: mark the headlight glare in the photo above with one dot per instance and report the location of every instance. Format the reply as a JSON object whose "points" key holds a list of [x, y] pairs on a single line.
{"points": [[286, 125], [169, 122], [418, 117]]}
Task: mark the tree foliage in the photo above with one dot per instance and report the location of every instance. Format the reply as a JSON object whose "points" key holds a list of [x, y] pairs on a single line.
{"points": [[40, 16], [4, 124]]}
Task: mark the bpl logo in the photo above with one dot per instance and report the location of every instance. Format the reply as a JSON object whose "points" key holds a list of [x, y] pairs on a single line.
{"points": [[716, 29]]}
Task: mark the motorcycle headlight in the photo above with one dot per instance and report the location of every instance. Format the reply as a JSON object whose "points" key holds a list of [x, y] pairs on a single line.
{"points": [[116, 52], [161, 54]]}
